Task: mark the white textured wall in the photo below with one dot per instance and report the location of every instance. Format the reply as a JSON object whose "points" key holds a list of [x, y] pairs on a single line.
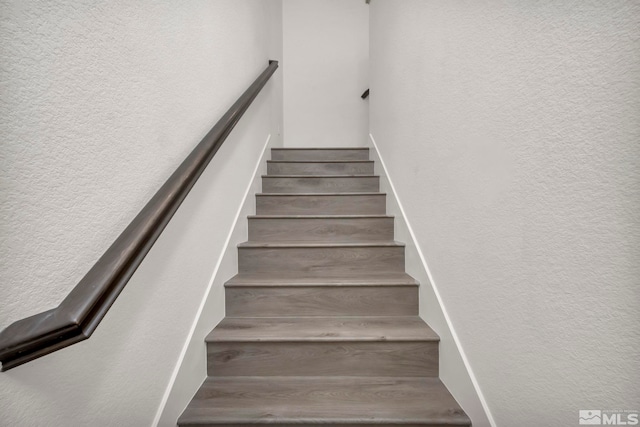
{"points": [[453, 365], [99, 103], [326, 58], [191, 368], [511, 132]]}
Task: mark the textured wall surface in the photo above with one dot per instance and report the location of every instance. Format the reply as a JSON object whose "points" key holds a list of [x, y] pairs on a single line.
{"points": [[99, 103], [191, 369], [511, 132], [453, 366], [326, 55]]}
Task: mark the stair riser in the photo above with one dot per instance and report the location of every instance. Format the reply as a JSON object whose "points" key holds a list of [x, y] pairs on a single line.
{"points": [[320, 229], [368, 204], [281, 301], [332, 260], [322, 155], [381, 359], [351, 184], [324, 168]]}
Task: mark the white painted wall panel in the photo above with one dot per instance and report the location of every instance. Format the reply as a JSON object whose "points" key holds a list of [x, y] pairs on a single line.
{"points": [[454, 369], [326, 60], [191, 367], [510, 131]]}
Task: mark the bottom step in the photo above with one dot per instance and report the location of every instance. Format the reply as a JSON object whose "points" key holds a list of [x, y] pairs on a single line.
{"points": [[327, 401]]}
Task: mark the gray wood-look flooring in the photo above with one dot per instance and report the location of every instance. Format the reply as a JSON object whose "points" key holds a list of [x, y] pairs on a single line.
{"points": [[330, 259], [317, 358], [362, 203], [320, 183], [269, 300], [289, 278], [334, 328], [343, 167], [327, 228], [322, 323], [331, 401], [319, 154]]}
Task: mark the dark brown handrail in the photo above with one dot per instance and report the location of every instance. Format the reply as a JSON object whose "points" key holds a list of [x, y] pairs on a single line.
{"points": [[81, 311]]}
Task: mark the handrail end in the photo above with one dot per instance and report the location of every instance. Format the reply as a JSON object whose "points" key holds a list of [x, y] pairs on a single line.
{"points": [[36, 336]]}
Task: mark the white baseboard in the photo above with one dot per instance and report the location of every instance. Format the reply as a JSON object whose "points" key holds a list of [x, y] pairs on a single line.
{"points": [[455, 369], [190, 369]]}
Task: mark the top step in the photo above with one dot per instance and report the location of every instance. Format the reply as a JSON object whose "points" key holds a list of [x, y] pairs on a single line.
{"points": [[353, 153]]}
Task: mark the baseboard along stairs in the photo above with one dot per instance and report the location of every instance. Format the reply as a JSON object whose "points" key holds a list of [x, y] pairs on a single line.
{"points": [[322, 323]]}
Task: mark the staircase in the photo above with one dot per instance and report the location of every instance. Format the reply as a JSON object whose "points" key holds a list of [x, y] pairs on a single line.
{"points": [[322, 321]]}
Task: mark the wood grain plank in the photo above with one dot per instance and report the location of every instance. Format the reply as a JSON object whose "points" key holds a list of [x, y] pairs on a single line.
{"points": [[321, 204], [330, 401], [270, 301], [361, 167], [321, 229], [385, 278], [331, 358], [320, 184], [323, 328], [329, 260], [319, 154]]}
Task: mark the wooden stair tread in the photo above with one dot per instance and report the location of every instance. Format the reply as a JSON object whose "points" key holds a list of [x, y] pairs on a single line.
{"points": [[320, 161], [289, 329], [318, 148], [355, 193], [284, 279], [320, 166], [323, 400], [322, 183], [328, 153], [300, 244], [316, 216], [321, 176]]}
